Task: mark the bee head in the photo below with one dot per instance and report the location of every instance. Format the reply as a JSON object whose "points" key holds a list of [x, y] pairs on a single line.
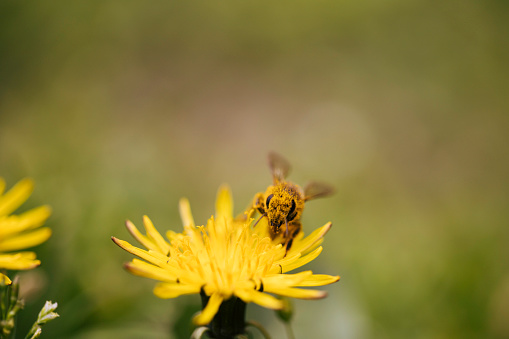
{"points": [[280, 209]]}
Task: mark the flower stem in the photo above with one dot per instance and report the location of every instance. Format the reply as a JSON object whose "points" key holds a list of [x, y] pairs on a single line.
{"points": [[289, 331], [260, 328]]}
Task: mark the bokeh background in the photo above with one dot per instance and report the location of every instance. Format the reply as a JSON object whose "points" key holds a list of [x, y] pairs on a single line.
{"points": [[117, 109]]}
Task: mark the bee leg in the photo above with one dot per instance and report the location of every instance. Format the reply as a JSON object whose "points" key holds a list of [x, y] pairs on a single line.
{"points": [[260, 218], [286, 224], [288, 245], [296, 227], [255, 206], [258, 203]]}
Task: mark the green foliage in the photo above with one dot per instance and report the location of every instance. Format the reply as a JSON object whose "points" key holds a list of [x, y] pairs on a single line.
{"points": [[45, 315], [11, 304]]}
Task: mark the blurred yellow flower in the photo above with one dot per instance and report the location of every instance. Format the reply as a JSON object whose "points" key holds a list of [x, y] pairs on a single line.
{"points": [[19, 231], [225, 258]]}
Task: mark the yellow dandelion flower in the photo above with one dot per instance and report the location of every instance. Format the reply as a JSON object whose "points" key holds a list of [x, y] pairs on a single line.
{"points": [[20, 231], [225, 260]]}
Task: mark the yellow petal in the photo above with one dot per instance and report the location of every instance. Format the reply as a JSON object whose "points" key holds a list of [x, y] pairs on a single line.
{"points": [[36, 216], [17, 223], [185, 212], [10, 225], [280, 261], [318, 280], [302, 260], [150, 257], [162, 245], [287, 279], [208, 313], [24, 255], [143, 269], [286, 260], [224, 203], [19, 261], [260, 298], [146, 242], [173, 290], [26, 240], [295, 292], [311, 241], [153, 257], [17, 195], [3, 278]]}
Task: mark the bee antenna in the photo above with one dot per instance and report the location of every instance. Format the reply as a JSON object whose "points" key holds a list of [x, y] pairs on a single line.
{"points": [[260, 218]]}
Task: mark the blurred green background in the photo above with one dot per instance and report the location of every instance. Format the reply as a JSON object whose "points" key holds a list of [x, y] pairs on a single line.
{"points": [[117, 109]]}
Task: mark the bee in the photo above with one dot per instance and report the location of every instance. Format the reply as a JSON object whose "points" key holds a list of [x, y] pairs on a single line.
{"points": [[283, 202]]}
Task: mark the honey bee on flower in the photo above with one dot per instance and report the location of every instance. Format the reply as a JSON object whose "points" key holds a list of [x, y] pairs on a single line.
{"points": [[227, 261], [283, 201]]}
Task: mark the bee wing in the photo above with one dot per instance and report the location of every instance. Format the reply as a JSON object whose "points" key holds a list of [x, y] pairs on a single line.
{"points": [[279, 166], [315, 190]]}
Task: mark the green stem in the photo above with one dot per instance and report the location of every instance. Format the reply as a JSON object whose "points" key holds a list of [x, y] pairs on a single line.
{"points": [[289, 331], [3, 299], [260, 328]]}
